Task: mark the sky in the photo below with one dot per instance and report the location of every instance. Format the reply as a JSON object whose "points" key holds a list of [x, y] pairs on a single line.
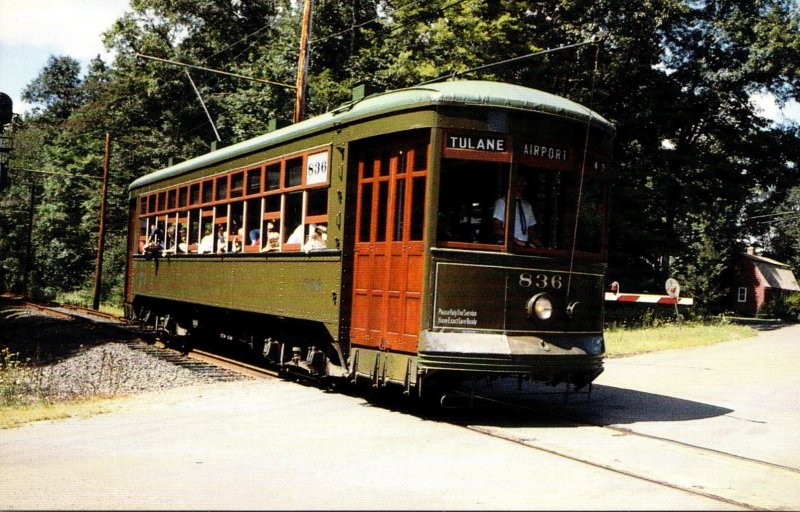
{"points": [[33, 30]]}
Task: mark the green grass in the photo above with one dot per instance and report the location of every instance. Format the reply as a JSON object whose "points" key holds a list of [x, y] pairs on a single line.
{"points": [[84, 299], [12, 416], [625, 342]]}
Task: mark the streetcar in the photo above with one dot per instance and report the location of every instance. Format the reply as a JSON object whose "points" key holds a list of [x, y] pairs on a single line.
{"points": [[372, 243]]}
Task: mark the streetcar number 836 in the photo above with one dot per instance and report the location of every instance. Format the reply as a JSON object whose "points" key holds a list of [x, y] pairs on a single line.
{"points": [[540, 281]]}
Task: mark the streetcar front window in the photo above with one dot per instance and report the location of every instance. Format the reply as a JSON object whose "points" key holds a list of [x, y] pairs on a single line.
{"points": [[544, 206], [557, 199], [468, 191]]}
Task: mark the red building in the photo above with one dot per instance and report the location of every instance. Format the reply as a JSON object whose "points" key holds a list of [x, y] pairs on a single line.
{"points": [[758, 281]]}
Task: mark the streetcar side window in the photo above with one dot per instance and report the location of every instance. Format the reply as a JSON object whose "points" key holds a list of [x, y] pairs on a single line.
{"points": [[237, 185], [293, 219], [252, 225], [253, 181], [143, 230], [193, 234], [208, 191], [206, 231], [236, 231], [194, 194]]}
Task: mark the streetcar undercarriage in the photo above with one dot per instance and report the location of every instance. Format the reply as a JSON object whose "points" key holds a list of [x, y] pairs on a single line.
{"points": [[305, 350]]}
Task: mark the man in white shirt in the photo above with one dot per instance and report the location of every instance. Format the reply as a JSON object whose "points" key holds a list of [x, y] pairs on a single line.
{"points": [[524, 221]]}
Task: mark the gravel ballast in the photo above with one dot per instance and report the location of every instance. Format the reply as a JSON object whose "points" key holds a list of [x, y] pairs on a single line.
{"points": [[56, 357]]}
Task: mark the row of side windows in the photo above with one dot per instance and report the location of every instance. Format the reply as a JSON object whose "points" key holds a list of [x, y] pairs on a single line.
{"points": [[277, 206]]}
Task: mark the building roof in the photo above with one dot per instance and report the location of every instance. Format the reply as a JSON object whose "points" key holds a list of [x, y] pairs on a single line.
{"points": [[774, 273], [455, 93]]}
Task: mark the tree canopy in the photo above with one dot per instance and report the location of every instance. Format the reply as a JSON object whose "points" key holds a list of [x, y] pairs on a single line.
{"points": [[697, 169]]}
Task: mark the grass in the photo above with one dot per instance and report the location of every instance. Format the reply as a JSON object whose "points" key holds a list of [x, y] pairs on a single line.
{"points": [[12, 416], [24, 398], [631, 341], [84, 298]]}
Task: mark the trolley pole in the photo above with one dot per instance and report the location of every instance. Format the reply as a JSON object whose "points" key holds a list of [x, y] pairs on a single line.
{"points": [[102, 236], [302, 63]]}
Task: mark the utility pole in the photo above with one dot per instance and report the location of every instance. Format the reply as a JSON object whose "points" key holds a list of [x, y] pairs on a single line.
{"points": [[29, 241], [102, 237], [302, 63]]}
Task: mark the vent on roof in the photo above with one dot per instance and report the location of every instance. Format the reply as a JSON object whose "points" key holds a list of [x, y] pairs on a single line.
{"points": [[277, 124], [361, 91]]}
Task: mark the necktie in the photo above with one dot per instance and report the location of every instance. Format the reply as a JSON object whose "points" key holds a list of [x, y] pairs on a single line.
{"points": [[521, 214]]}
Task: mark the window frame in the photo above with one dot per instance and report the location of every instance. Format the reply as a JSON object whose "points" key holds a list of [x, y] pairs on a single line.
{"points": [[741, 294]]}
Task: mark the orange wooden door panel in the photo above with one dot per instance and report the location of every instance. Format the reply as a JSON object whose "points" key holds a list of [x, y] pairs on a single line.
{"points": [[388, 261]]}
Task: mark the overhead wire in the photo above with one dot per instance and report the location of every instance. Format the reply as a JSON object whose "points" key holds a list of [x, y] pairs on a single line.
{"points": [[455, 74], [372, 20], [596, 40]]}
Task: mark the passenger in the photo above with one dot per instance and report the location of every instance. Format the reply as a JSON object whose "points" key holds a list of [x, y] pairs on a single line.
{"points": [[170, 242], [238, 241], [297, 235], [237, 238], [316, 241], [207, 242], [182, 246], [255, 236], [222, 239], [154, 238], [153, 245], [273, 239], [524, 233]]}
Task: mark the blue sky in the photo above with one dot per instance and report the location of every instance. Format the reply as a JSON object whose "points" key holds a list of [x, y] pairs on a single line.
{"points": [[33, 30]]}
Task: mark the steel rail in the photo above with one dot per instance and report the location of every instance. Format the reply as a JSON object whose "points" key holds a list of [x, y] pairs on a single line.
{"points": [[571, 422]]}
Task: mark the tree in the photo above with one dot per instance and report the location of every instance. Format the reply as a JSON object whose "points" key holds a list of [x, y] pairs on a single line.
{"points": [[784, 242], [57, 87], [693, 160]]}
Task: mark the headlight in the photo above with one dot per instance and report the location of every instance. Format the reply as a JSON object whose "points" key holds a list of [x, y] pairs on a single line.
{"points": [[540, 306]]}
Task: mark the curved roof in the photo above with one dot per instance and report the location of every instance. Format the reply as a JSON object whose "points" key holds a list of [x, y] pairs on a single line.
{"points": [[455, 93]]}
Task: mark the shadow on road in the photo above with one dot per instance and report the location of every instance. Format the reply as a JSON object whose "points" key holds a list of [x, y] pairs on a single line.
{"points": [[607, 405], [612, 405]]}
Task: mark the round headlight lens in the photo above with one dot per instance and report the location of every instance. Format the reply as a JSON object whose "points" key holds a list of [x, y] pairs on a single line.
{"points": [[540, 306]]}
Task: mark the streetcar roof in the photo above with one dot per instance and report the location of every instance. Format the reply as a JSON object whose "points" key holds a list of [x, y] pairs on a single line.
{"points": [[455, 93]]}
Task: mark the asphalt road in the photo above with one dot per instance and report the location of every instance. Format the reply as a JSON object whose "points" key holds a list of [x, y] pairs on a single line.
{"points": [[279, 445]]}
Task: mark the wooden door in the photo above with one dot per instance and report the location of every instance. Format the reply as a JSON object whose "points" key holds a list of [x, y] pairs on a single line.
{"points": [[388, 253]]}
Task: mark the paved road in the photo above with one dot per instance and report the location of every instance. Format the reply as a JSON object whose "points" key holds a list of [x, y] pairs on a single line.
{"points": [[274, 444]]}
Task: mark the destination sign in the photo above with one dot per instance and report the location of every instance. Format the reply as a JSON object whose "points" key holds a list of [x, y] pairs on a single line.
{"points": [[477, 143], [477, 146], [545, 152]]}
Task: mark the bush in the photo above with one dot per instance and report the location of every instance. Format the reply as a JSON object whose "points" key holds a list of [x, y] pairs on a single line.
{"points": [[631, 315], [785, 306]]}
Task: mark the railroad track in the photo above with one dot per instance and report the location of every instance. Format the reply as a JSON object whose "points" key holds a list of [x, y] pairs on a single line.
{"points": [[722, 476]]}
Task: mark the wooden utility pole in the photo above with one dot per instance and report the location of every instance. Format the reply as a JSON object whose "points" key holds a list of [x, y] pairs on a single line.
{"points": [[302, 63], [98, 275], [29, 241]]}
